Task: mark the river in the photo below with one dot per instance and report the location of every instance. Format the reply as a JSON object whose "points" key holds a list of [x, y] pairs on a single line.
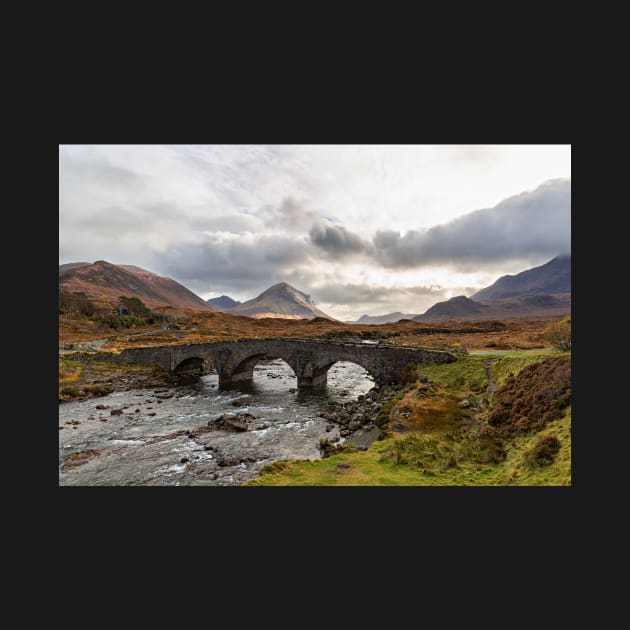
{"points": [[148, 445]]}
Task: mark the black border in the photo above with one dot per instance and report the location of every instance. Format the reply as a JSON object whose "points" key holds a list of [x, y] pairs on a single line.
{"points": [[277, 118]]}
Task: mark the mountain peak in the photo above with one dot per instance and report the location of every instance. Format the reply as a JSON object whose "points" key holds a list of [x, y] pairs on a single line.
{"points": [[552, 277], [105, 281], [280, 300]]}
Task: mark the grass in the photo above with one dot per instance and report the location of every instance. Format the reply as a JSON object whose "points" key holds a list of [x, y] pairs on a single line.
{"points": [[428, 460], [437, 449], [89, 378]]}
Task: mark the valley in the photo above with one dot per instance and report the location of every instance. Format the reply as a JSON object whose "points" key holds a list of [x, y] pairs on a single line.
{"points": [[314, 315]]}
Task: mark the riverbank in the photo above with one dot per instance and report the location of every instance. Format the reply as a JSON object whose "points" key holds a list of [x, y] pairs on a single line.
{"points": [[449, 430]]}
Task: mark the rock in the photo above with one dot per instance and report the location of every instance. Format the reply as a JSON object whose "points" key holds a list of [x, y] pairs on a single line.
{"points": [[183, 460], [239, 402], [236, 424], [101, 407], [61, 428], [152, 414], [343, 466], [423, 378], [464, 404], [103, 419], [159, 402], [116, 412], [137, 411]]}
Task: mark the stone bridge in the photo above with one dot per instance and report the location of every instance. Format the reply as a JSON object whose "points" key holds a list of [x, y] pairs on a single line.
{"points": [[310, 359]]}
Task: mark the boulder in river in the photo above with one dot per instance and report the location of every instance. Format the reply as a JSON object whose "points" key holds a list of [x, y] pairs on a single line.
{"points": [[236, 424]]}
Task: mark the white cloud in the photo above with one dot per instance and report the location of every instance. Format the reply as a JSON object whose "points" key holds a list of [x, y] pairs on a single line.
{"points": [[236, 218]]}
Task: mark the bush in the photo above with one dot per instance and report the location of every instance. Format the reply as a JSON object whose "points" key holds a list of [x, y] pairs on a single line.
{"points": [[543, 453], [538, 395], [559, 334], [76, 302], [408, 374], [134, 306]]}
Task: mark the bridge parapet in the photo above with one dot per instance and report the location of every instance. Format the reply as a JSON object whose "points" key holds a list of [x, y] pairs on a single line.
{"points": [[309, 358]]}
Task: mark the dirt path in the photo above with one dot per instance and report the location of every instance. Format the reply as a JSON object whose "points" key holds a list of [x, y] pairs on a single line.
{"points": [[492, 386]]}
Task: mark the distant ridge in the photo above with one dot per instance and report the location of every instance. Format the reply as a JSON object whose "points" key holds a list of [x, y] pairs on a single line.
{"points": [[224, 303], [388, 318]]}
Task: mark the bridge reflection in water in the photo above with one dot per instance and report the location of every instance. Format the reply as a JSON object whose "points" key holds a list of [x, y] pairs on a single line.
{"points": [[310, 359]]}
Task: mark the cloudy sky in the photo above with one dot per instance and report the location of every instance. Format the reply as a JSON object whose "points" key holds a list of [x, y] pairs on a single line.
{"points": [[362, 229]]}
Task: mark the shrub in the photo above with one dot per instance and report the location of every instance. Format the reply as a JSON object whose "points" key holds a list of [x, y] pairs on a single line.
{"points": [[409, 374], [76, 302], [559, 334], [539, 394], [543, 453]]}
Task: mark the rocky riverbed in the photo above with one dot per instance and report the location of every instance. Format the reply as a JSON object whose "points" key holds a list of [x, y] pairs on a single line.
{"points": [[198, 435]]}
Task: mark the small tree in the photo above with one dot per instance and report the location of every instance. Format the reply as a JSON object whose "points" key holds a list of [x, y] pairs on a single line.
{"points": [[559, 334], [134, 306]]}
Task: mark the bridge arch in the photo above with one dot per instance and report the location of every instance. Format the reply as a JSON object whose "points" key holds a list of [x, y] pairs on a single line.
{"points": [[192, 368], [242, 367], [319, 371]]}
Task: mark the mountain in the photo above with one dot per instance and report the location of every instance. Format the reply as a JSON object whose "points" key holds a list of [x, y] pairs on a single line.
{"points": [[550, 278], [68, 266], [280, 300], [540, 291], [384, 319], [106, 282], [461, 308], [224, 303]]}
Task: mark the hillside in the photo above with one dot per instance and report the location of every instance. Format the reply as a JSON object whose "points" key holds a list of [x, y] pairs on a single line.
{"points": [[458, 429], [106, 282], [69, 266], [283, 301], [550, 278], [388, 318], [224, 303]]}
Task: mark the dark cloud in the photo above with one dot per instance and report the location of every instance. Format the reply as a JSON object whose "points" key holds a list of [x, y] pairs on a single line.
{"points": [[536, 223], [234, 264], [336, 240]]}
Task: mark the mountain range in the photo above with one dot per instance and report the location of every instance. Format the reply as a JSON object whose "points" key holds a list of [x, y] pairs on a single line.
{"points": [[543, 290], [106, 282]]}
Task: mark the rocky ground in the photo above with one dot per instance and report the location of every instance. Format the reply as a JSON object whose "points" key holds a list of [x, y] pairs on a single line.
{"points": [[357, 419]]}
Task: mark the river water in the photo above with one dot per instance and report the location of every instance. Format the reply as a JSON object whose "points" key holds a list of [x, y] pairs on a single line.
{"points": [[136, 448]]}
